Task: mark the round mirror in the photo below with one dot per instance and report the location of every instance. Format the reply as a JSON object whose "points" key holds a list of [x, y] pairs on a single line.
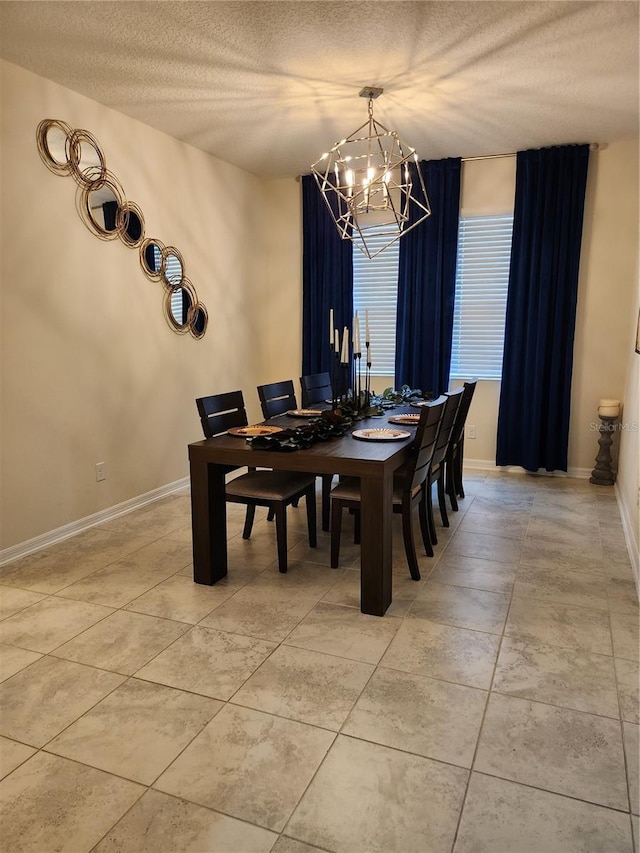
{"points": [[100, 208], [179, 302], [198, 321], [130, 224], [173, 272], [88, 164], [151, 258], [52, 136]]}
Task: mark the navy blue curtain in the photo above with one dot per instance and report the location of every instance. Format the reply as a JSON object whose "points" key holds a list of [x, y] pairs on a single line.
{"points": [[427, 282], [327, 279], [533, 419]]}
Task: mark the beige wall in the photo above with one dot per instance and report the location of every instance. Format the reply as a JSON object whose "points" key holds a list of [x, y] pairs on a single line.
{"points": [[628, 482], [90, 370], [607, 293]]}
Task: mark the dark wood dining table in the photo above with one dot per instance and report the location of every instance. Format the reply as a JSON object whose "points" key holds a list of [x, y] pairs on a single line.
{"points": [[372, 461]]}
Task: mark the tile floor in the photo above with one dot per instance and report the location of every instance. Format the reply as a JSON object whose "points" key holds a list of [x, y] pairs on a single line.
{"points": [[494, 708]]}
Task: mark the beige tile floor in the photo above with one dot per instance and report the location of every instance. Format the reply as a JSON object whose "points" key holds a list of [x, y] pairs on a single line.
{"points": [[494, 708]]}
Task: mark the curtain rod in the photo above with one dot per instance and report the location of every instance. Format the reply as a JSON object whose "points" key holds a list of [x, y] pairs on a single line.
{"points": [[594, 146]]}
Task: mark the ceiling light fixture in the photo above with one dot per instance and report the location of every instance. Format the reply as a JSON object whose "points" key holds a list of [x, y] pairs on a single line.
{"points": [[372, 184]]}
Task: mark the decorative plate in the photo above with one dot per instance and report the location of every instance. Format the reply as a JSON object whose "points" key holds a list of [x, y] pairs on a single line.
{"points": [[381, 434], [304, 413], [409, 420], [252, 431], [420, 404]]}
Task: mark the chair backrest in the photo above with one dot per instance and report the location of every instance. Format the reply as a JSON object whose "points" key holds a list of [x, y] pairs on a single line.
{"points": [[424, 443], [220, 412], [451, 406], [276, 398], [468, 390], [316, 388]]}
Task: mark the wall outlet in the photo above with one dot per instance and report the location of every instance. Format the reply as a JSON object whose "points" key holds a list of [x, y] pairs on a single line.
{"points": [[471, 430], [101, 471]]}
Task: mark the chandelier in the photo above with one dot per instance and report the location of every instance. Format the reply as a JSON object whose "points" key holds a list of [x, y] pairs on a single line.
{"points": [[372, 184]]}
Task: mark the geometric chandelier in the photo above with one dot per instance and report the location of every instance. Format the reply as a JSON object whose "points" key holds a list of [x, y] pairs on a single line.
{"points": [[372, 184]]}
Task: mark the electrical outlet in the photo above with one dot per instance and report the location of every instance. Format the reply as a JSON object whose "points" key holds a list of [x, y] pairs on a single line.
{"points": [[471, 430], [101, 471]]}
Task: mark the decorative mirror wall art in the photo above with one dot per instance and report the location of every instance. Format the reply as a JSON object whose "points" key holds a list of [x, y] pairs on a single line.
{"points": [[105, 210]]}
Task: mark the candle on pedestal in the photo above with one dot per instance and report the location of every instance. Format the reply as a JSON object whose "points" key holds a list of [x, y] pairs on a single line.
{"points": [[344, 356], [331, 326], [609, 408], [357, 350]]}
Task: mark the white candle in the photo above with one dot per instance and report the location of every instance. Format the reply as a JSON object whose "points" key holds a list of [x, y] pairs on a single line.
{"points": [[336, 340], [369, 356], [609, 408], [357, 349], [367, 338], [344, 357], [331, 326]]}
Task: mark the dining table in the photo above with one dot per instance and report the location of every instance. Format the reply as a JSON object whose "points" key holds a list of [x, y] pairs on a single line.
{"points": [[372, 461]]}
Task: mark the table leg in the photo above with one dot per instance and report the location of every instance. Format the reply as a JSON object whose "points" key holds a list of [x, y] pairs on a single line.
{"points": [[208, 522], [375, 544]]}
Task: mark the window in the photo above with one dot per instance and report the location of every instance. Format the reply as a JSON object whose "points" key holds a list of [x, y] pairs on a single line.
{"points": [[375, 289], [482, 279]]}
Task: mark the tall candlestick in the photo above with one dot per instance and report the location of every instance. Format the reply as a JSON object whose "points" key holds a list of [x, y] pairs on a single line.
{"points": [[331, 326], [357, 349], [368, 354], [344, 357]]}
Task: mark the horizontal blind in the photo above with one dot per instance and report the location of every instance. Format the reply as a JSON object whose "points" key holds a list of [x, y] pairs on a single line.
{"points": [[482, 279], [375, 289]]}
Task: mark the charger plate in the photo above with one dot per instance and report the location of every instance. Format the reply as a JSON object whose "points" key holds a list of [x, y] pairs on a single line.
{"points": [[252, 431], [381, 434], [304, 413]]}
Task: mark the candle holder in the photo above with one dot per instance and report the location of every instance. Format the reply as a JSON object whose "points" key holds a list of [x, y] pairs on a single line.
{"points": [[603, 474]]}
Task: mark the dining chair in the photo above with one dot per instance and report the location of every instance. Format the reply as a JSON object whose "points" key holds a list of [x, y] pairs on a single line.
{"points": [[276, 398], [436, 469], [408, 490], [455, 452], [316, 388], [275, 490]]}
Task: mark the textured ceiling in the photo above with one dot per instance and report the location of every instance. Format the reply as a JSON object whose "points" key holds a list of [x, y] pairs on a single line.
{"points": [[270, 85]]}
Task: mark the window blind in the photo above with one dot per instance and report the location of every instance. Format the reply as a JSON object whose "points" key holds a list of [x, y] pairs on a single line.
{"points": [[482, 278], [375, 289]]}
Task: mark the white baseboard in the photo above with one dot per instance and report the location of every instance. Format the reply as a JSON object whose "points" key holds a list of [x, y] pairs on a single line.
{"points": [[8, 555], [490, 465], [628, 525]]}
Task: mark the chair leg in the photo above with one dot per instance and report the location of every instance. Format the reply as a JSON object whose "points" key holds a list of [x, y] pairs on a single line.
{"points": [[336, 529], [409, 544], [248, 521], [432, 525], [441, 501], [356, 527], [424, 526], [457, 472], [271, 514], [281, 536], [327, 480], [450, 482], [311, 516]]}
